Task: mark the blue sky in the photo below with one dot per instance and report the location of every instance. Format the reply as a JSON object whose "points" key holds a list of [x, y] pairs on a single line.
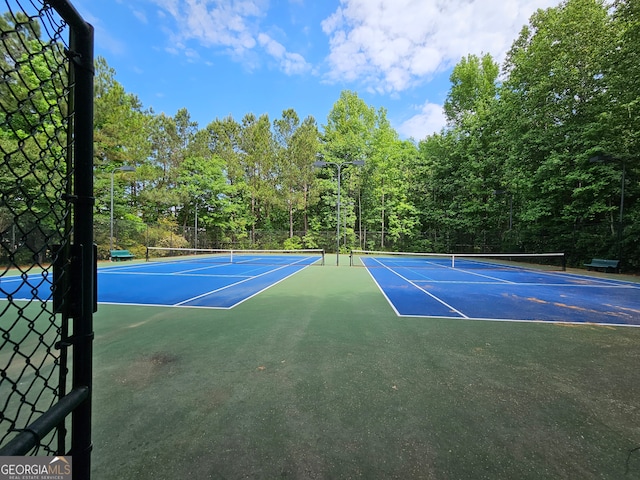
{"points": [[232, 57]]}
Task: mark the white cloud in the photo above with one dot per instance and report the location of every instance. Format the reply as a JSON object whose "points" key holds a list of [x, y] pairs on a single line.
{"points": [[140, 15], [232, 26], [290, 63], [392, 45], [430, 120]]}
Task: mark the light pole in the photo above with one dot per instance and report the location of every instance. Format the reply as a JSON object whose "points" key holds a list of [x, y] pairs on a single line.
{"points": [[124, 168], [605, 159], [322, 163]]}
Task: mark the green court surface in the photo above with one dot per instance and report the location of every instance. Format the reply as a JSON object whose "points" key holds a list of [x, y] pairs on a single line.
{"points": [[318, 378]]}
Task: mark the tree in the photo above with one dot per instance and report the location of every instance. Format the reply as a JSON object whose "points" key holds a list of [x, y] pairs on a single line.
{"points": [[463, 164], [551, 104], [258, 161], [223, 138], [122, 133], [386, 205], [619, 132], [473, 89], [33, 121], [348, 136], [202, 185], [297, 145]]}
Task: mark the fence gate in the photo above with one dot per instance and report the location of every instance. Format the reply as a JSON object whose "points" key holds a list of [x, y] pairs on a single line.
{"points": [[47, 259]]}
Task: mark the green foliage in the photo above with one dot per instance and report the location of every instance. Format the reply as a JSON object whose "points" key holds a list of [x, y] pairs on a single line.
{"points": [[310, 240], [164, 234], [293, 243], [511, 171], [33, 119], [552, 103], [473, 89]]}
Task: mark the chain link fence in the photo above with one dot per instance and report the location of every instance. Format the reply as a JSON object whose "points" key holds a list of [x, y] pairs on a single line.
{"points": [[45, 147], [135, 236]]}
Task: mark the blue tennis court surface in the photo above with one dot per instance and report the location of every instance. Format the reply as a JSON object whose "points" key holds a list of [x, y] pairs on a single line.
{"points": [[485, 292], [206, 282], [196, 283]]}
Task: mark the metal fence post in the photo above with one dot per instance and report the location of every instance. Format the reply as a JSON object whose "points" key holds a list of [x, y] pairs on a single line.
{"points": [[81, 43]]}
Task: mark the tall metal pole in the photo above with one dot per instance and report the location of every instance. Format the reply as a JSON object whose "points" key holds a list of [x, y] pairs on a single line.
{"points": [[621, 211], [510, 211], [111, 217], [338, 223], [322, 163], [82, 71], [124, 168]]}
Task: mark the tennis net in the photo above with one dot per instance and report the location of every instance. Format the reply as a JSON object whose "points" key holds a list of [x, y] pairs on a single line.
{"points": [[539, 261], [309, 256]]}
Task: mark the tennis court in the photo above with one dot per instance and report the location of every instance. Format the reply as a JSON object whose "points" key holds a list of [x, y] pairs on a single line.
{"points": [[204, 278], [499, 288], [182, 277], [313, 378], [316, 378]]}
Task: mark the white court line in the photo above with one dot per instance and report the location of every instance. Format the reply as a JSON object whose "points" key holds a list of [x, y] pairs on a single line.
{"points": [[243, 281], [269, 286], [413, 269], [206, 267], [423, 290], [384, 294], [524, 284], [12, 279], [500, 280], [598, 283], [163, 305], [594, 281], [174, 274], [519, 320], [123, 269]]}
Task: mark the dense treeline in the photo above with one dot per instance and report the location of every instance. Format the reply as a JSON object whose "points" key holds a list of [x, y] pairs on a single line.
{"points": [[541, 150], [32, 140], [539, 154]]}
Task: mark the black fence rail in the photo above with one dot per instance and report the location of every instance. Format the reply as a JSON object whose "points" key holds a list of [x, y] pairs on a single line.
{"points": [[47, 259]]}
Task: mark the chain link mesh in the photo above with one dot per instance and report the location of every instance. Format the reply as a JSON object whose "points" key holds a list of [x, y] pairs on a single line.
{"points": [[35, 221]]}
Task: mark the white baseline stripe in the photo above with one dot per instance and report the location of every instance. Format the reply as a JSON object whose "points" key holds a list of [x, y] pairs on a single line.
{"points": [[164, 305]]}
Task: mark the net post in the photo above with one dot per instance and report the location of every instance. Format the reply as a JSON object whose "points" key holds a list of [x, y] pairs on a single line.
{"points": [[453, 261], [146, 255], [231, 256], [322, 253], [351, 258]]}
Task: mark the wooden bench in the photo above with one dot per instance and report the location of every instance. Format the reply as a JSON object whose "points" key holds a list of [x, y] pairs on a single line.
{"points": [[606, 265], [117, 255]]}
